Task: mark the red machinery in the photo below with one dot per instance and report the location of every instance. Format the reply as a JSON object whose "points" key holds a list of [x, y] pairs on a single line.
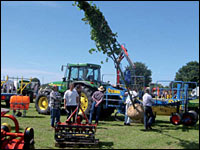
{"points": [[78, 133], [15, 140]]}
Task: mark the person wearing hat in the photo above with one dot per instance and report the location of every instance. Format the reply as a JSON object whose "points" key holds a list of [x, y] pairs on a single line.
{"points": [[97, 98], [55, 104]]}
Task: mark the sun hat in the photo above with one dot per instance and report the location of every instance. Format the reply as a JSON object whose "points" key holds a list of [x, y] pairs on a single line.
{"points": [[101, 88]]}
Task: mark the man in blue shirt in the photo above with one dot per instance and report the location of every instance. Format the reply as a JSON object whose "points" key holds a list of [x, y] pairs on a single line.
{"points": [[148, 114]]}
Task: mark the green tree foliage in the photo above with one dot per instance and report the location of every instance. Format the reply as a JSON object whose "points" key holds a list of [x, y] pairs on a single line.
{"points": [[142, 70], [188, 72], [101, 33]]}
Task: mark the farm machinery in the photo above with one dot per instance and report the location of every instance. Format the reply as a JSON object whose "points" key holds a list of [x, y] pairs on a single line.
{"points": [[18, 93], [73, 133], [175, 101], [18, 86], [88, 76], [15, 140]]}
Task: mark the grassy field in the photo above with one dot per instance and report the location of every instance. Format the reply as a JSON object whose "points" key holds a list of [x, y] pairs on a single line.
{"points": [[114, 135]]}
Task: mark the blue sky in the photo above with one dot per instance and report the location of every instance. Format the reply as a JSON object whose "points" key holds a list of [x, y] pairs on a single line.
{"points": [[37, 37]]}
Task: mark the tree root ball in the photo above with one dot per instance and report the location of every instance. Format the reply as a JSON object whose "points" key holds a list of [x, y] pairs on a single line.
{"points": [[136, 113]]}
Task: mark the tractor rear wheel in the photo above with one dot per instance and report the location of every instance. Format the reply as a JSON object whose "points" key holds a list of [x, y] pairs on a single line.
{"points": [[42, 104]]}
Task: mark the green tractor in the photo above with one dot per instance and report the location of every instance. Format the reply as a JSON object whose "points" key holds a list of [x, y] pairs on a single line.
{"points": [[87, 75]]}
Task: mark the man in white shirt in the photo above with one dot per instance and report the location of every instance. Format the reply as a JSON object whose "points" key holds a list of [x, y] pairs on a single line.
{"points": [[71, 100], [147, 104], [128, 104]]}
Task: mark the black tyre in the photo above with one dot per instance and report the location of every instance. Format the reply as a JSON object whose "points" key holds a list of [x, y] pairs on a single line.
{"points": [[175, 119], [7, 103], [190, 118], [29, 138], [195, 116], [30, 94], [42, 104]]}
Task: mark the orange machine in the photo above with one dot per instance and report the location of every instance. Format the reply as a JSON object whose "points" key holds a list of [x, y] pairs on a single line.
{"points": [[18, 102]]}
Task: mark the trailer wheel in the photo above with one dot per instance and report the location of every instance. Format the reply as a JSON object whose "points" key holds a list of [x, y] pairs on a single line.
{"points": [[195, 115], [175, 119], [190, 118]]}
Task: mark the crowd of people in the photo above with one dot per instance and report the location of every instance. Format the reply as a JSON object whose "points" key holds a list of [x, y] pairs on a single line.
{"points": [[72, 101]]}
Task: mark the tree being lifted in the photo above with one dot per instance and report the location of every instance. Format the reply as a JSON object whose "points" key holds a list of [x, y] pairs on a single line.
{"points": [[103, 36]]}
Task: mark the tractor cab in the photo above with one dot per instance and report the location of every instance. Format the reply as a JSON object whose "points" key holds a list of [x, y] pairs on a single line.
{"points": [[82, 72]]}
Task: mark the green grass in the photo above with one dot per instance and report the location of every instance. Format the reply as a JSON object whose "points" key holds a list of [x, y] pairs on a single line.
{"points": [[194, 101], [114, 135]]}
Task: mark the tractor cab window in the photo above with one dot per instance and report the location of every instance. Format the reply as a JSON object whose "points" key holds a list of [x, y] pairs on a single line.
{"points": [[74, 73], [90, 75], [82, 73], [96, 75]]}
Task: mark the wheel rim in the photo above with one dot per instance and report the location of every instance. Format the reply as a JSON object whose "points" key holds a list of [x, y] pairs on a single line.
{"points": [[187, 120], [43, 103], [84, 102], [175, 119]]}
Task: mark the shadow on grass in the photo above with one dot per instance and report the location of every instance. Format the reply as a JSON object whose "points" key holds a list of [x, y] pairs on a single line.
{"points": [[183, 128], [34, 117], [111, 124], [102, 128], [13, 128], [109, 118], [177, 127], [162, 121], [184, 143], [152, 130], [100, 145], [108, 145]]}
